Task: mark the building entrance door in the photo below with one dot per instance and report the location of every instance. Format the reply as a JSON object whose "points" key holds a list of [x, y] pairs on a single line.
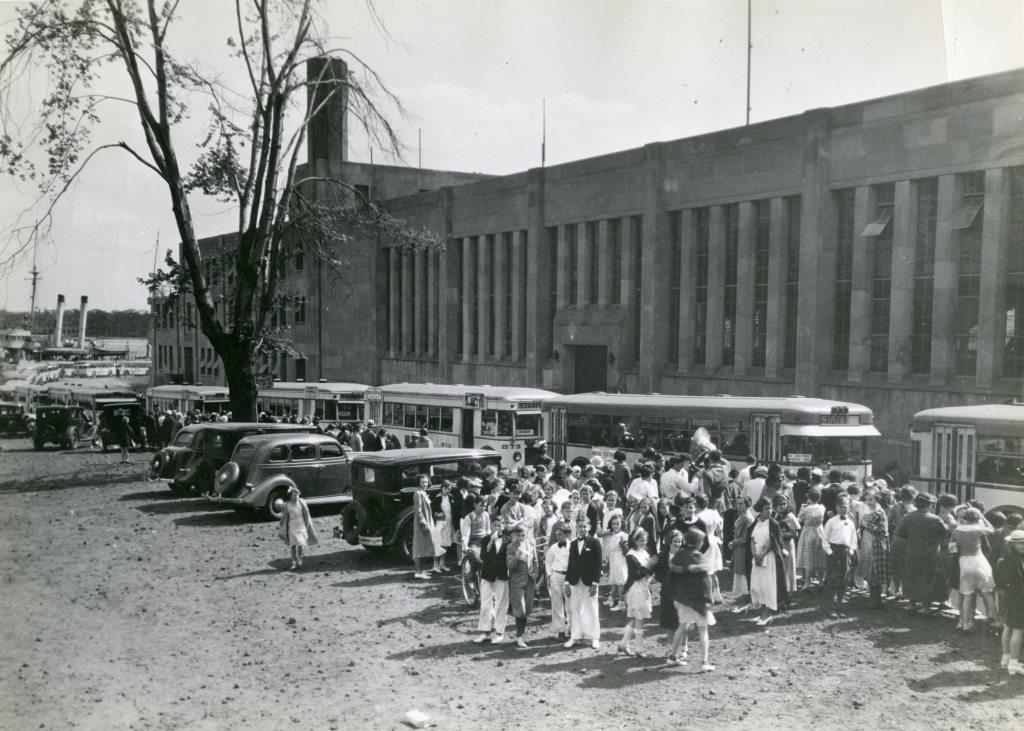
{"points": [[590, 368]]}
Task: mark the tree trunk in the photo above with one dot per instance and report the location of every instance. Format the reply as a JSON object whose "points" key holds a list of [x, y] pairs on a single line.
{"points": [[241, 378]]}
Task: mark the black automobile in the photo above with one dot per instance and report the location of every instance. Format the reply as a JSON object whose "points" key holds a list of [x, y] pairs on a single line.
{"points": [[110, 412], [13, 419], [380, 514], [199, 450], [66, 426]]}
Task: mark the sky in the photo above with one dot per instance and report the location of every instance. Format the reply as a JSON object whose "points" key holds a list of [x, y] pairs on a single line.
{"points": [[472, 76]]}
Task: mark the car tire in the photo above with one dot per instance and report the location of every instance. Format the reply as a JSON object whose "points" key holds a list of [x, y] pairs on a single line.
{"points": [[269, 511], [350, 526], [404, 541], [71, 436], [38, 444], [155, 466], [226, 477]]}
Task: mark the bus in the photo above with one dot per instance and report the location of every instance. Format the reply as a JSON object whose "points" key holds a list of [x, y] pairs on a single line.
{"points": [[791, 431], [326, 401], [187, 398], [506, 419], [87, 396], [974, 452]]}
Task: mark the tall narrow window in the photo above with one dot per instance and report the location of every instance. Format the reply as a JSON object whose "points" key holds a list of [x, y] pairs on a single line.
{"points": [[879, 231], [474, 296], [700, 330], [571, 264], [968, 219], [411, 294], [1013, 343], [637, 222], [843, 280], [490, 293], [594, 260], [552, 241], [792, 281], [762, 236], [732, 260], [924, 276], [455, 276], [508, 261], [388, 296], [615, 252], [523, 289], [675, 262]]}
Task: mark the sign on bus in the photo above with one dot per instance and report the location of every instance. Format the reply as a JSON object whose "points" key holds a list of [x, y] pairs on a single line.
{"points": [[476, 401]]}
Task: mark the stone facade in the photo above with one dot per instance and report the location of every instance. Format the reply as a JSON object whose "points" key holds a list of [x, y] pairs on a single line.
{"points": [[869, 252]]}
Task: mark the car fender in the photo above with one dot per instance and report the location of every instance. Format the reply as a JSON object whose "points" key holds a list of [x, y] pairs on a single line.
{"points": [[259, 494], [404, 518]]}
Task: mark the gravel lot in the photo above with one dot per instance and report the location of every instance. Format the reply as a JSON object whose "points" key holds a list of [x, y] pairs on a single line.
{"points": [[124, 606]]}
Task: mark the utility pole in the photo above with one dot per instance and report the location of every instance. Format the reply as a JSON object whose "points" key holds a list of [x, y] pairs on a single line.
{"points": [[749, 47], [543, 130]]}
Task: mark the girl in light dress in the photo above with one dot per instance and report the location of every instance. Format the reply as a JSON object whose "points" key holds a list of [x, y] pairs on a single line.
{"points": [[612, 546], [443, 535], [296, 528], [715, 524], [810, 556], [975, 571], [639, 565]]}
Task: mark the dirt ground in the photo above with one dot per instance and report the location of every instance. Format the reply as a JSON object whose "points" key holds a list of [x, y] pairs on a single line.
{"points": [[124, 606]]}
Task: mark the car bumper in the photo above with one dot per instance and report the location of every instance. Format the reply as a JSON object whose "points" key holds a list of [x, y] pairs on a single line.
{"points": [[233, 502]]}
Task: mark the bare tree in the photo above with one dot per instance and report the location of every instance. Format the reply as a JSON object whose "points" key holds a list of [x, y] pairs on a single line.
{"points": [[249, 156]]}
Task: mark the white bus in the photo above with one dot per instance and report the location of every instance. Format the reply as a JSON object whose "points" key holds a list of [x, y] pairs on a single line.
{"points": [[506, 419], [187, 398], [791, 431], [326, 401], [974, 452]]}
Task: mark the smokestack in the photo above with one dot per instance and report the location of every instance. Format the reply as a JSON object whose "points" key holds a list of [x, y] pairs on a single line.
{"points": [[81, 321], [327, 134], [58, 329]]}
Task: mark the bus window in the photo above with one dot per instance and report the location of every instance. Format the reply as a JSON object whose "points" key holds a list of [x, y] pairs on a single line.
{"points": [[495, 423], [344, 412], [836, 450], [1001, 460], [734, 439], [528, 425], [330, 410]]}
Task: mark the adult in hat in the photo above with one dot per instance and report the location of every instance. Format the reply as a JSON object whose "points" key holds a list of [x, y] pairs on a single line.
{"points": [[924, 534]]}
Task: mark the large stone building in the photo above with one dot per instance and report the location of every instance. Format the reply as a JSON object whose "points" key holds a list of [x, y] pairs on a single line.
{"points": [[872, 252]]}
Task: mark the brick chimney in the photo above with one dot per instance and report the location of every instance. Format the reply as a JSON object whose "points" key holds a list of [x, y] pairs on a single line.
{"points": [[327, 135], [58, 328]]}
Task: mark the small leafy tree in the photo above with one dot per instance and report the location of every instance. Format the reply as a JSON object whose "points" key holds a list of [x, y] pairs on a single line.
{"points": [[249, 156]]}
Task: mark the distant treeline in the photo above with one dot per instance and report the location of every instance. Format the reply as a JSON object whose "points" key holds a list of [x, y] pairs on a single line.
{"points": [[100, 323]]}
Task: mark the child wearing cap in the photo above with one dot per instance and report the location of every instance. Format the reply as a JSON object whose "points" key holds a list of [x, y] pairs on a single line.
{"points": [[1010, 584]]}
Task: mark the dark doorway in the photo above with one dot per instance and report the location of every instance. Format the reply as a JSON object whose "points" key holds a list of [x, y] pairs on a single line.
{"points": [[466, 438], [590, 368], [190, 372]]}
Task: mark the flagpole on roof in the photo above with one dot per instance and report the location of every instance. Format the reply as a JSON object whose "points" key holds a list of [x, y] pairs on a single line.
{"points": [[749, 47]]}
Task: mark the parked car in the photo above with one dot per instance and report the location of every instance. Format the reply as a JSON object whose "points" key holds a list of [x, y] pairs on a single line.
{"points": [[66, 426], [263, 467], [199, 450], [380, 513], [13, 419], [109, 413]]}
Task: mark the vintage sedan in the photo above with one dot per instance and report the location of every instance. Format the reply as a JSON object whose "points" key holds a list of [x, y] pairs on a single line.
{"points": [[199, 450], [263, 467], [67, 426], [13, 419], [380, 514]]}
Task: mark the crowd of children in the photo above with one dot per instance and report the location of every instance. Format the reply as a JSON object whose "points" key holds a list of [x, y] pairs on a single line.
{"points": [[619, 530]]}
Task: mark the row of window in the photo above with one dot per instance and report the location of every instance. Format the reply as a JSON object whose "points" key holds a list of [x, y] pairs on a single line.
{"points": [[967, 224], [660, 434], [418, 416]]}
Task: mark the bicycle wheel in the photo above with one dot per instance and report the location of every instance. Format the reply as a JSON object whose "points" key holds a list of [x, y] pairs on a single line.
{"points": [[470, 583]]}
